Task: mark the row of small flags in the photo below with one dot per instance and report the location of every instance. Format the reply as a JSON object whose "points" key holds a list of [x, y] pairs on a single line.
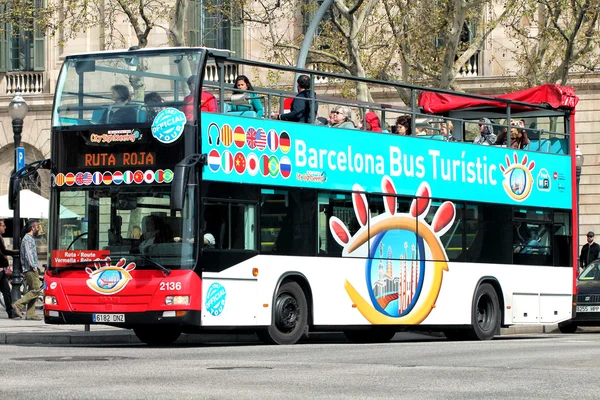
{"points": [[117, 177], [252, 164], [254, 139]]}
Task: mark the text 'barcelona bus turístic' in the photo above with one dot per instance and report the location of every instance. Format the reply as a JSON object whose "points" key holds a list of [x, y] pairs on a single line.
{"points": [[183, 203]]}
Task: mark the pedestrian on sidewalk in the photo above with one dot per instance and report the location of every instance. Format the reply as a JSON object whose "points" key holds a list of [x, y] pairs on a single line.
{"points": [[30, 267], [4, 278]]}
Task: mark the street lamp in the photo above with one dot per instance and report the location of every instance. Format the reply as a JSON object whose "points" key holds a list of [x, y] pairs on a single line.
{"points": [[17, 110]]}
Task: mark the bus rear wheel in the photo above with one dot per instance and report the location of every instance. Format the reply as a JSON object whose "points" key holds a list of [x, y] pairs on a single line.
{"points": [[485, 313], [157, 335], [371, 335], [290, 316]]}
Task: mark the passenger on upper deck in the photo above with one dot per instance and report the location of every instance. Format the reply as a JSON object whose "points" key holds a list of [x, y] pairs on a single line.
{"points": [[403, 125], [518, 138], [208, 103], [486, 133], [153, 101], [120, 112], [446, 130], [243, 83], [300, 111], [372, 122], [343, 118]]}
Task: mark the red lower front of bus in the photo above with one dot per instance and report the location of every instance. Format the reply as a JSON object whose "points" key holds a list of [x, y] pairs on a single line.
{"points": [[123, 298]]}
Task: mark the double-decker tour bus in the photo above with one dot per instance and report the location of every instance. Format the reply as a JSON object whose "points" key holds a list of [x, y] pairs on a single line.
{"points": [[168, 219]]}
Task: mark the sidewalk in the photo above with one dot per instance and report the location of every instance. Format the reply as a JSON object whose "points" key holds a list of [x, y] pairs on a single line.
{"points": [[21, 331]]}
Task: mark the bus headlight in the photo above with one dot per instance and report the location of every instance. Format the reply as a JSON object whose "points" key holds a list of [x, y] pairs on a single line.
{"points": [[177, 300], [51, 300]]}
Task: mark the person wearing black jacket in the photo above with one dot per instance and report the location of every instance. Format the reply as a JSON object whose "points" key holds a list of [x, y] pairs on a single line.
{"points": [[300, 111], [4, 287], [589, 252]]}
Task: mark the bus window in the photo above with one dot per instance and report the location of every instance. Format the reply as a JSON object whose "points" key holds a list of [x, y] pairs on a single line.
{"points": [[452, 239], [231, 224], [340, 206]]}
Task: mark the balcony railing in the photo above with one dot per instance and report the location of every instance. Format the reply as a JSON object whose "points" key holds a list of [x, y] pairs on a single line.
{"points": [[470, 68], [23, 81], [231, 72]]}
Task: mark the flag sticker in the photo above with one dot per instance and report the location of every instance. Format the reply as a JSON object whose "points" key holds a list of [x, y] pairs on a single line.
{"points": [[70, 179], [285, 166], [60, 179], [87, 178], [285, 142], [253, 165], [251, 138], [168, 175], [264, 165], [273, 140], [239, 163], [273, 166], [138, 177], [261, 139], [97, 178], [107, 178], [226, 135], [117, 177], [159, 176], [214, 160], [79, 178], [239, 136], [149, 176], [128, 177], [227, 161]]}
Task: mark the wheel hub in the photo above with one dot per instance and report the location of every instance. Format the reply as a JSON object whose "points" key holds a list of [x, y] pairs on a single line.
{"points": [[288, 313]]}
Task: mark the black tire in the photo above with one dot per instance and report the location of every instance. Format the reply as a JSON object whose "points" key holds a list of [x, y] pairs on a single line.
{"points": [[370, 335], [290, 316], [157, 335], [567, 327], [485, 317]]}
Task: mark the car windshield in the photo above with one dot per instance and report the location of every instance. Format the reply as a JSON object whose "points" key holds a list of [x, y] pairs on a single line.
{"points": [[591, 273], [134, 222]]}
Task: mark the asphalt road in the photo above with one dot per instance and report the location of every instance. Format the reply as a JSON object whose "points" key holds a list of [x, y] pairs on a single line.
{"points": [[413, 366]]}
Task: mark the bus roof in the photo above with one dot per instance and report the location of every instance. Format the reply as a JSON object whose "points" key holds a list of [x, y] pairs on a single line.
{"points": [[552, 95]]}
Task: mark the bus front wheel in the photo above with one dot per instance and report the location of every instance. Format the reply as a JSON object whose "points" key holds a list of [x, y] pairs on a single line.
{"points": [[157, 335], [485, 313], [290, 316]]}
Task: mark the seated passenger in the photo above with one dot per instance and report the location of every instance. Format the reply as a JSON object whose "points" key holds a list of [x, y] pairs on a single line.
{"points": [[343, 118], [331, 120], [446, 130], [486, 133], [135, 233], [403, 126], [243, 83], [208, 103], [156, 232], [120, 112], [372, 122], [300, 111], [153, 101]]}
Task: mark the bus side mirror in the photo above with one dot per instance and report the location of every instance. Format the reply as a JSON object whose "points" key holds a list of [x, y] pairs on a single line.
{"points": [[180, 180]]}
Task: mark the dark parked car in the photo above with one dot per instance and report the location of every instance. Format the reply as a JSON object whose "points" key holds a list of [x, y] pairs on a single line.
{"points": [[587, 309]]}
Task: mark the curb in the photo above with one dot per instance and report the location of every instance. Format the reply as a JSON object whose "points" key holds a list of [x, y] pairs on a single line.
{"points": [[125, 337]]}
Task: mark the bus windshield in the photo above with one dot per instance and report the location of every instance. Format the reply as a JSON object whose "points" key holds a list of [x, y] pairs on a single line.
{"points": [[133, 222], [122, 88]]}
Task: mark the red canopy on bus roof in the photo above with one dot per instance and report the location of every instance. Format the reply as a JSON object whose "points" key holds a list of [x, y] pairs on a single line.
{"points": [[554, 95]]}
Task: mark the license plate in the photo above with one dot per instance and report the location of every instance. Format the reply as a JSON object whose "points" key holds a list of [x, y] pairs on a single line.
{"points": [[109, 318], [587, 309]]}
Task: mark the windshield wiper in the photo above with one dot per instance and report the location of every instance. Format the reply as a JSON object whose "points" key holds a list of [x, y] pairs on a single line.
{"points": [[165, 270]]}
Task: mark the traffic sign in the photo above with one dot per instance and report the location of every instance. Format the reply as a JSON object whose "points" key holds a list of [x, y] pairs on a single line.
{"points": [[20, 158]]}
